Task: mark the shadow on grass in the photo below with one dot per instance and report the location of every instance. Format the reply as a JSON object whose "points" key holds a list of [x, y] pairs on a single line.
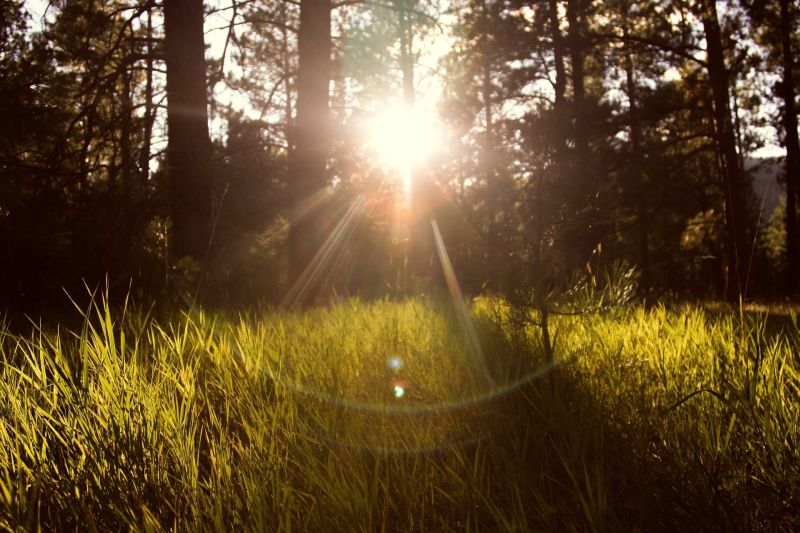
{"points": [[548, 455], [778, 320]]}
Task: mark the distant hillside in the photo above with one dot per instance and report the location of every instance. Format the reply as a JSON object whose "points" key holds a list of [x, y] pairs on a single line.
{"points": [[766, 173]]}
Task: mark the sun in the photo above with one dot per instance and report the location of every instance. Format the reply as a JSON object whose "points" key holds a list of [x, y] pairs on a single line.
{"points": [[402, 137]]}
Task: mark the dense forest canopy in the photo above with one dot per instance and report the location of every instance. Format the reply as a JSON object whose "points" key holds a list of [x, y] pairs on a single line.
{"points": [[275, 151]]}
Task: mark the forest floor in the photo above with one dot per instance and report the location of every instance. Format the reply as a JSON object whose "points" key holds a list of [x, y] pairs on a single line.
{"points": [[401, 416]]}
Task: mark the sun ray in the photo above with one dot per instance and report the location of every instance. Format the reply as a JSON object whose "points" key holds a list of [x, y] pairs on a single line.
{"points": [[339, 233], [310, 204], [462, 313]]}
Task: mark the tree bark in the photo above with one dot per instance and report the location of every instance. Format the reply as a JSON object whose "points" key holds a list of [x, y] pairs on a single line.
{"points": [[406, 34], [189, 144], [311, 141], [488, 163], [579, 238], [636, 162], [574, 15], [144, 156], [736, 247], [287, 78], [558, 55], [557, 129], [792, 149]]}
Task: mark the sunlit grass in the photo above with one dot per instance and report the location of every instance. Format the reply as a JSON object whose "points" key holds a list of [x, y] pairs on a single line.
{"points": [[657, 419]]}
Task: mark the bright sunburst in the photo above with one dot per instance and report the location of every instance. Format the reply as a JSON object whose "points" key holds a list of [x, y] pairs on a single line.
{"points": [[402, 137]]}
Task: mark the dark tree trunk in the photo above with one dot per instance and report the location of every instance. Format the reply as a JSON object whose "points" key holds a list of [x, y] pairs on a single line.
{"points": [[557, 129], [287, 80], [577, 58], [144, 156], [579, 238], [637, 166], [189, 145], [310, 140], [126, 158], [558, 56], [792, 149], [406, 34], [737, 250], [488, 163]]}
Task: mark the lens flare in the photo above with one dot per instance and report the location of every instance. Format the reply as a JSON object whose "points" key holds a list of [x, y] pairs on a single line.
{"points": [[403, 137], [394, 363], [398, 388], [324, 255], [462, 313]]}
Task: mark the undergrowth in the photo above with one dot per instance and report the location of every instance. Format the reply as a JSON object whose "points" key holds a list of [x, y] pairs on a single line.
{"points": [[375, 417]]}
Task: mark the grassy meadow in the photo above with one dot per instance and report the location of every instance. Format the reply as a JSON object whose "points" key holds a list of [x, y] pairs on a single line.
{"points": [[398, 416]]}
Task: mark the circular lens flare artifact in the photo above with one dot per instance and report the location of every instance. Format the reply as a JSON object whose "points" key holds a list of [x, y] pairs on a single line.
{"points": [[398, 388], [394, 363]]}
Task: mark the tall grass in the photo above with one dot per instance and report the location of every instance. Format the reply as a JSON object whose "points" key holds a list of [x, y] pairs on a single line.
{"points": [[371, 417]]}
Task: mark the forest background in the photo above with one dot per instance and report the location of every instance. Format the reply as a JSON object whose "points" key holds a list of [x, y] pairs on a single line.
{"points": [[233, 149]]}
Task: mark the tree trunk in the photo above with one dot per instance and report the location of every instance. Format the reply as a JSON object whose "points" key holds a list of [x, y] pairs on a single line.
{"points": [[189, 144], [406, 34], [578, 240], [574, 15], [144, 156], [637, 166], [792, 150], [733, 182], [287, 78], [311, 140], [558, 55], [420, 246], [488, 163], [557, 129]]}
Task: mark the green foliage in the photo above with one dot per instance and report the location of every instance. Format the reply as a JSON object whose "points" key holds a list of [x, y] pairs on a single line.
{"points": [[74, 197], [653, 420], [773, 239]]}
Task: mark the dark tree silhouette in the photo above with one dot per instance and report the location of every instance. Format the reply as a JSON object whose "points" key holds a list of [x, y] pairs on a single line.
{"points": [[189, 145], [792, 147], [311, 136], [625, 123], [737, 249]]}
